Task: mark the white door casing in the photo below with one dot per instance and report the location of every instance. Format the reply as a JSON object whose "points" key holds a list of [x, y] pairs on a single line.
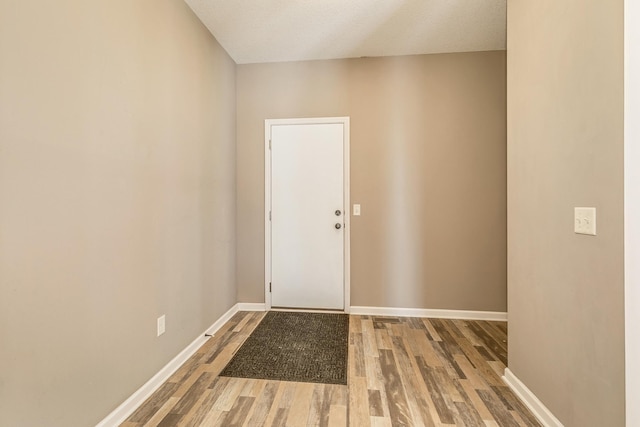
{"points": [[306, 182], [632, 209]]}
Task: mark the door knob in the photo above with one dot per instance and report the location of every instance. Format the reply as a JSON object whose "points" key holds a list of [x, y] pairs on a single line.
{"points": [[338, 212], [338, 226]]}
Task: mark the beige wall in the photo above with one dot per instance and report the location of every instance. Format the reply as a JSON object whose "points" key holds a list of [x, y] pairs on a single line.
{"points": [[565, 133], [117, 200], [428, 166]]}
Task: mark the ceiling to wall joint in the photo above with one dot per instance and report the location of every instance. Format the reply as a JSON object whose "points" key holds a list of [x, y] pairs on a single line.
{"points": [[255, 31]]}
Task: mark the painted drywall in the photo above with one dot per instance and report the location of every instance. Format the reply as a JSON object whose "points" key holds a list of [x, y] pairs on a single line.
{"points": [[117, 200], [565, 149], [632, 209], [428, 167], [282, 30]]}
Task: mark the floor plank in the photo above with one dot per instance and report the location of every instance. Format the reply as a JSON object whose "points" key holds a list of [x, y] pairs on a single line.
{"points": [[402, 372]]}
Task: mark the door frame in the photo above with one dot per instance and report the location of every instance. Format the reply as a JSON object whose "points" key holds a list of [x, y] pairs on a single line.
{"points": [[267, 202], [631, 209]]}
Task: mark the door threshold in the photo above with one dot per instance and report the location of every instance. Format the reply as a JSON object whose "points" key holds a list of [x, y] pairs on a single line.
{"points": [[308, 310]]}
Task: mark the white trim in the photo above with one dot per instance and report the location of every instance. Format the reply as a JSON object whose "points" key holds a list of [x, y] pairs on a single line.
{"points": [[251, 306], [537, 408], [122, 412], [345, 121], [267, 210], [432, 313], [632, 209], [346, 158]]}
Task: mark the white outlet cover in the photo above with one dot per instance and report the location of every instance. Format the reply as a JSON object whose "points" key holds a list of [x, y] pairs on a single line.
{"points": [[161, 325], [585, 221]]}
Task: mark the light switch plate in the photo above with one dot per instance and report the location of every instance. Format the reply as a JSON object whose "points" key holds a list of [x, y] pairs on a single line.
{"points": [[356, 210], [585, 221], [161, 325]]}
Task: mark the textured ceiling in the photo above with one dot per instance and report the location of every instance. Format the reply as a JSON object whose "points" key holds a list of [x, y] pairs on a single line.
{"points": [[294, 30]]}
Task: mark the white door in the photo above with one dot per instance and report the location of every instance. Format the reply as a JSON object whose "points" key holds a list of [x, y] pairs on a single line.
{"points": [[307, 215]]}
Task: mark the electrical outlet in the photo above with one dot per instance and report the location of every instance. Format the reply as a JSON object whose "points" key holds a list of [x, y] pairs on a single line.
{"points": [[161, 324], [585, 221]]}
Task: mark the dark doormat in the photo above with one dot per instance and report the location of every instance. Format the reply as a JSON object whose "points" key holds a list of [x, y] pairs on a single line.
{"points": [[303, 347]]}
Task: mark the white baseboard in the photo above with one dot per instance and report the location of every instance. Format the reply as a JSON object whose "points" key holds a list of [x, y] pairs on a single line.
{"points": [[537, 408], [433, 313], [251, 306], [122, 412]]}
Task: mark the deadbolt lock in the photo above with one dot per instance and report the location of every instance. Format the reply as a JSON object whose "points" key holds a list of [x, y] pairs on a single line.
{"points": [[338, 212]]}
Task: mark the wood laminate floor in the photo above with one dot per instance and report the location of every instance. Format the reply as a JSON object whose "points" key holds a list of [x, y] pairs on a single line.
{"points": [[402, 372]]}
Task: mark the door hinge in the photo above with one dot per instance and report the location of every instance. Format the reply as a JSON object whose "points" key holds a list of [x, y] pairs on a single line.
{"points": [[269, 215], [269, 144], [269, 286]]}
